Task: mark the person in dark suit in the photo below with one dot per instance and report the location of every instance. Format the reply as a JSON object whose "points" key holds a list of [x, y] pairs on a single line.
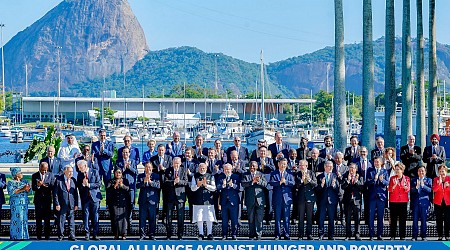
{"points": [[352, 184], [255, 153], [379, 149], [292, 167], [282, 182], [161, 162], [2, 194], [377, 183], [89, 182], [420, 202], [328, 194], [434, 156], [88, 157], [339, 168], [279, 149], [352, 153], [65, 198], [175, 183], [306, 182], [229, 184], [315, 163], [266, 167], [303, 152], [411, 155], [175, 148], [103, 150], [242, 151], [134, 151], [200, 152], [328, 152], [254, 184], [128, 166], [191, 165], [239, 165], [364, 165], [151, 144], [149, 184], [54, 164], [42, 184], [214, 167]]}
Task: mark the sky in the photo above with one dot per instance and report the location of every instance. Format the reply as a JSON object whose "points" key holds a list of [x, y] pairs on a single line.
{"points": [[242, 28]]}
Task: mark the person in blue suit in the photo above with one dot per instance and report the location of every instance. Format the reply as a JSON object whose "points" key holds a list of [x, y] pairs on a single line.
{"points": [[229, 184], [420, 202], [151, 144], [103, 150], [377, 183], [88, 183], [134, 151], [175, 148], [2, 194], [279, 149], [282, 182], [241, 150], [149, 185], [328, 197]]}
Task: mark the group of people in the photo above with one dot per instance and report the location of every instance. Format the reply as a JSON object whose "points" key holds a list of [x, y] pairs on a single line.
{"points": [[274, 182]]}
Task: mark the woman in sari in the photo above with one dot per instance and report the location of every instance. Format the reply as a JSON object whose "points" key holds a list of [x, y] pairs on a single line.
{"points": [[18, 190]]}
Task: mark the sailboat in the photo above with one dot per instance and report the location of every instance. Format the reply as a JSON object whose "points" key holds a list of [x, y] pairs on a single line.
{"points": [[260, 131]]}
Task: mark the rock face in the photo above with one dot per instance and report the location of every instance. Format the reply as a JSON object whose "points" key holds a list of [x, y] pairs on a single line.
{"points": [[87, 38]]}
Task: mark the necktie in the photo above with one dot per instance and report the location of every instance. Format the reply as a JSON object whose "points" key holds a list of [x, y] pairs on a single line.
{"points": [[50, 163], [434, 150], [68, 184], [354, 151], [282, 175], [327, 178], [278, 148], [228, 178], [176, 173], [364, 165], [42, 177], [161, 160]]}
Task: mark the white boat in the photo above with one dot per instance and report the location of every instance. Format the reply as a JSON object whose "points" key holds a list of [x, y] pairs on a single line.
{"points": [[16, 135], [5, 131], [119, 133]]}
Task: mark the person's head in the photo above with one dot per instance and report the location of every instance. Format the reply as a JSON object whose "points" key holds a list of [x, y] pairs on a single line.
{"points": [[421, 171], [86, 149], [354, 141], [199, 140], [339, 158], [292, 154], [380, 142], [442, 169], [176, 136], [303, 142], [82, 166], [263, 152], [43, 167], [217, 144], [189, 153], [127, 140], [50, 151], [328, 141], [352, 168], [212, 153], [389, 152], [411, 140], [161, 150], [278, 137], [102, 135], [399, 169], [227, 169], [68, 171], [303, 165], [202, 167], [126, 153], [234, 155], [176, 162], [378, 162], [282, 164], [314, 153], [16, 173], [253, 166], [148, 167], [363, 152], [237, 141], [151, 144], [261, 142], [118, 173], [70, 139], [328, 166], [435, 138]]}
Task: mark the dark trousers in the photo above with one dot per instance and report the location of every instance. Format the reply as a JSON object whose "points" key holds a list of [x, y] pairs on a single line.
{"points": [[106, 175], [90, 212], [255, 219], [398, 211], [330, 210], [180, 218], [442, 219], [352, 210], [419, 213], [147, 212], [62, 216], [376, 206], [340, 216], [282, 211], [43, 213], [130, 210], [366, 206], [229, 212], [305, 208], [294, 206], [268, 206]]}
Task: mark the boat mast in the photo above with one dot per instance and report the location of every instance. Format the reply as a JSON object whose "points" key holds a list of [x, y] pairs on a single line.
{"points": [[263, 109]]}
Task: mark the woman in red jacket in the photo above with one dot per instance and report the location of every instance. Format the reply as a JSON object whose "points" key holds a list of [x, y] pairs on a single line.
{"points": [[441, 200], [398, 200]]}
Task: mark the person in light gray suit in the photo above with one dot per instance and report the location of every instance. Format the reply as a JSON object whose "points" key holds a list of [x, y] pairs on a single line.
{"points": [[254, 184], [340, 169]]}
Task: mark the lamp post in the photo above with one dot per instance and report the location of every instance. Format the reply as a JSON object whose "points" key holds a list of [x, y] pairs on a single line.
{"points": [[3, 67], [58, 48]]}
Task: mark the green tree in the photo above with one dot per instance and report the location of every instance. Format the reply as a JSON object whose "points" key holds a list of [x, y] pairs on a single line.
{"points": [[322, 107], [39, 148], [107, 113]]}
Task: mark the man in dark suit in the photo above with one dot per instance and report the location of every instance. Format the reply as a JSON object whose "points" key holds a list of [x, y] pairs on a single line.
{"points": [[65, 198], [175, 183], [434, 156], [411, 155], [134, 151], [306, 182], [2, 194], [352, 153], [315, 163], [241, 150], [352, 184], [255, 153], [42, 184], [161, 163], [379, 149], [303, 152], [420, 202], [54, 164], [239, 165], [214, 167], [103, 150], [254, 184], [328, 193], [328, 152], [149, 185], [266, 167], [292, 161], [175, 148], [279, 149], [88, 157], [229, 184], [364, 165], [282, 182], [191, 165], [89, 182], [377, 182], [339, 168], [200, 152], [129, 172]]}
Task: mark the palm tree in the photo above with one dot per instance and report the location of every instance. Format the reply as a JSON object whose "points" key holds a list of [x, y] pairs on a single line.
{"points": [[420, 115], [389, 84], [432, 87], [406, 72], [340, 116]]}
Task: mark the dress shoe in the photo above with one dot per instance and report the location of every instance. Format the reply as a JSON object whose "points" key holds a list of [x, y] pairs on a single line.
{"points": [[392, 238], [200, 237], [321, 237], [234, 237], [59, 238], [72, 239], [440, 239], [96, 238], [276, 238], [371, 238], [223, 238], [151, 237], [210, 237], [413, 238], [287, 238], [424, 238], [357, 238], [300, 238], [309, 237], [180, 237], [142, 237], [331, 238], [39, 238], [116, 237], [124, 238], [446, 238], [87, 238], [379, 238], [47, 238], [258, 238], [168, 238], [346, 238]]}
